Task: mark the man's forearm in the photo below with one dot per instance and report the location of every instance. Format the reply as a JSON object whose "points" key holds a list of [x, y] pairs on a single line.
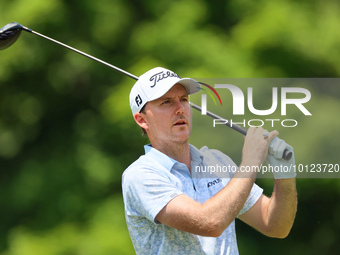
{"points": [[282, 207], [212, 217], [228, 202]]}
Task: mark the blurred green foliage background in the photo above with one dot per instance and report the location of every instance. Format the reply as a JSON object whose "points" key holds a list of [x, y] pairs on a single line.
{"points": [[66, 131]]}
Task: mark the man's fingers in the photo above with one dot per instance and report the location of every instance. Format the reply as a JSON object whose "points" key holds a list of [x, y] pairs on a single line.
{"points": [[251, 130], [272, 135]]}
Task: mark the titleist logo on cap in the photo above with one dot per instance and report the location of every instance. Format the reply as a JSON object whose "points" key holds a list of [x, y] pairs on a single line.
{"points": [[160, 76]]}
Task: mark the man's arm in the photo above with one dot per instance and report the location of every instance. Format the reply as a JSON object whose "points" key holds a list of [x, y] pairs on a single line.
{"points": [[210, 218], [274, 216], [215, 215]]}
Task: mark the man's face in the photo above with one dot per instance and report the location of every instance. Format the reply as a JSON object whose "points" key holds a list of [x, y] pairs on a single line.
{"points": [[168, 117]]}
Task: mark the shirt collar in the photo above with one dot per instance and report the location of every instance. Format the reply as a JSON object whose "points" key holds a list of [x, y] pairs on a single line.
{"points": [[196, 155], [166, 161], [160, 157]]}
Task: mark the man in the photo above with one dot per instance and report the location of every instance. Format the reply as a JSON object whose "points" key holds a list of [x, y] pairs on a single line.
{"points": [[172, 209]]}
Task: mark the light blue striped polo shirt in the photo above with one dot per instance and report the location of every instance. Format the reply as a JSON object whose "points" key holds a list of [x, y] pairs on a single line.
{"points": [[153, 180]]}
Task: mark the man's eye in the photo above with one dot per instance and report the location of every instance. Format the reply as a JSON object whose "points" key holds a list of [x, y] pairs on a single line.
{"points": [[185, 99], [166, 102]]}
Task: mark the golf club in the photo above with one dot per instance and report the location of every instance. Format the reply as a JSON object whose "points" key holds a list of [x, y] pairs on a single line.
{"points": [[10, 33]]}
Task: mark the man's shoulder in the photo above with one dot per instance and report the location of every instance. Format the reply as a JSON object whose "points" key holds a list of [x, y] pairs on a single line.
{"points": [[137, 165], [142, 166]]}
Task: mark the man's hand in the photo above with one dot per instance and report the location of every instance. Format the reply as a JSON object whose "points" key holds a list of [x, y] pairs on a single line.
{"points": [[274, 159], [256, 145]]}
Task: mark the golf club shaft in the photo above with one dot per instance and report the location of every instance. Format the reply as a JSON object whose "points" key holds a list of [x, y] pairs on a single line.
{"points": [[85, 54], [196, 107]]}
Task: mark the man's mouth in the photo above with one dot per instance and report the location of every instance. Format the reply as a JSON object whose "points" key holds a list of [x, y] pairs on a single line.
{"points": [[180, 123]]}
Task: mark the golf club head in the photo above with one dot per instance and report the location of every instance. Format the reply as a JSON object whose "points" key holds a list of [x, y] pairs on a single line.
{"points": [[10, 33]]}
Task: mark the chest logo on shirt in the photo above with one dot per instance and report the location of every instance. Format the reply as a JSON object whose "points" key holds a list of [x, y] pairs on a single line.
{"points": [[212, 183]]}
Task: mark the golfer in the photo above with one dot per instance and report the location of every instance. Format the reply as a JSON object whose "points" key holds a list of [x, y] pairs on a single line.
{"points": [[171, 208]]}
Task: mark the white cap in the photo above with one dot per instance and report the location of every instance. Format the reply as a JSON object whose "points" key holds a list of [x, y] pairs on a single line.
{"points": [[155, 83]]}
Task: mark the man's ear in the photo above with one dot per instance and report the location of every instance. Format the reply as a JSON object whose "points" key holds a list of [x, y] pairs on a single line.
{"points": [[140, 120]]}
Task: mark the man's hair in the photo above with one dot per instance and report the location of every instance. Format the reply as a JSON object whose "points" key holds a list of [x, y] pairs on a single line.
{"points": [[143, 130]]}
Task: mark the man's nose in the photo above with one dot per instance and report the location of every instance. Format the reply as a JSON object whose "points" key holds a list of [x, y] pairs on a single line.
{"points": [[179, 107]]}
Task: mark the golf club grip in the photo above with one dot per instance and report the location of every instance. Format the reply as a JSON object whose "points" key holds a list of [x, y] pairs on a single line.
{"points": [[287, 154]]}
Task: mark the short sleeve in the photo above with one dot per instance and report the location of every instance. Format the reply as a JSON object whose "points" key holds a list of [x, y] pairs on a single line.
{"points": [[146, 190]]}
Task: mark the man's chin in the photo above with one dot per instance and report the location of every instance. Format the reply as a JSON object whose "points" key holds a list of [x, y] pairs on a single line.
{"points": [[184, 137]]}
